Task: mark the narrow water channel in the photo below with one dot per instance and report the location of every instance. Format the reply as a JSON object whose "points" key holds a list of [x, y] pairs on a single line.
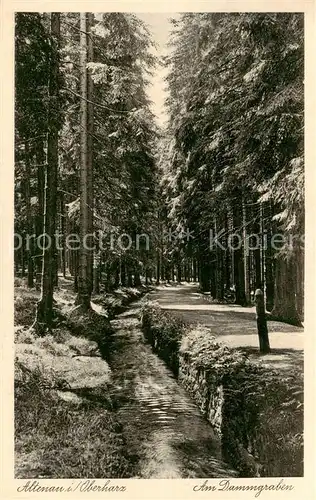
{"points": [[162, 425]]}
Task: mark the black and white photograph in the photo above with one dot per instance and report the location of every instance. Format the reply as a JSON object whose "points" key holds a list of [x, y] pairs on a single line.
{"points": [[159, 228]]}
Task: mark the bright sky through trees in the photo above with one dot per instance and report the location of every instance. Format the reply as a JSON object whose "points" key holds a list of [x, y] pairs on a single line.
{"points": [[159, 25]]}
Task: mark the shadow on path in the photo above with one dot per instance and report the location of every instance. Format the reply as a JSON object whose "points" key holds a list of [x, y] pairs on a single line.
{"points": [[162, 425]]}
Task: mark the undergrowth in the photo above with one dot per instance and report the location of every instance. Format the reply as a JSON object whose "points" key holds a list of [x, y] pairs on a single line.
{"points": [[64, 421], [59, 439]]}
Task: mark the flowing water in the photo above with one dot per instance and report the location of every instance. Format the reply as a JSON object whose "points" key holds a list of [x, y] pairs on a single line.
{"points": [[162, 425]]}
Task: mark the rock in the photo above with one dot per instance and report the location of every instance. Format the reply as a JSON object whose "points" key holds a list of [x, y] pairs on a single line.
{"points": [[64, 370], [69, 397]]}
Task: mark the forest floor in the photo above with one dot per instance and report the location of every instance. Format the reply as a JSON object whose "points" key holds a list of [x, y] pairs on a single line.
{"points": [[78, 415], [81, 415], [233, 325], [64, 421]]}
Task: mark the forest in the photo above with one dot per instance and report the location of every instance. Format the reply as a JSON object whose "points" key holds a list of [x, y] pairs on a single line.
{"points": [[198, 213], [90, 159]]}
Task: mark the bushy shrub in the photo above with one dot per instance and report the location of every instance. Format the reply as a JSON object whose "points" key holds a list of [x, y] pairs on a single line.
{"points": [[164, 332]]}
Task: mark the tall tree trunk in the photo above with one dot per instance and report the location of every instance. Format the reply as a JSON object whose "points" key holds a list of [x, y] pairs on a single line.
{"points": [[179, 272], [90, 127], [245, 252], [107, 272], [168, 266], [205, 271], [44, 317], [162, 267], [194, 270], [299, 262], [239, 277], [96, 271], [212, 277], [23, 257], [158, 268], [76, 270], [41, 165], [257, 256], [190, 269], [85, 258], [185, 270], [137, 281], [29, 224], [285, 303], [238, 259], [219, 268], [269, 265], [262, 253], [96, 275], [227, 257], [63, 233], [116, 273], [146, 276], [129, 276], [123, 272]]}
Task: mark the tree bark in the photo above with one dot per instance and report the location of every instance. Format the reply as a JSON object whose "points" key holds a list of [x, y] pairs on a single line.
{"points": [[219, 268], [285, 303], [179, 272], [96, 272], [239, 278], [44, 317], [41, 165], [129, 277], [269, 267], [205, 274], [158, 268], [257, 256], [245, 252], [86, 255], [29, 225], [239, 268], [194, 270], [137, 281], [123, 272], [90, 127], [300, 283], [62, 251]]}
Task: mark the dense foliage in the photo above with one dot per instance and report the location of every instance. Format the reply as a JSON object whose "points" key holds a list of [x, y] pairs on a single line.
{"points": [[211, 190], [233, 152], [120, 138]]}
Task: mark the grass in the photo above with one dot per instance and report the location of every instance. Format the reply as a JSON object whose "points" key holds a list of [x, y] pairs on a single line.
{"points": [[64, 439]]}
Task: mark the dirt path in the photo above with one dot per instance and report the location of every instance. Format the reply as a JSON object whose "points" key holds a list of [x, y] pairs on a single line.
{"points": [[162, 426], [233, 324]]}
